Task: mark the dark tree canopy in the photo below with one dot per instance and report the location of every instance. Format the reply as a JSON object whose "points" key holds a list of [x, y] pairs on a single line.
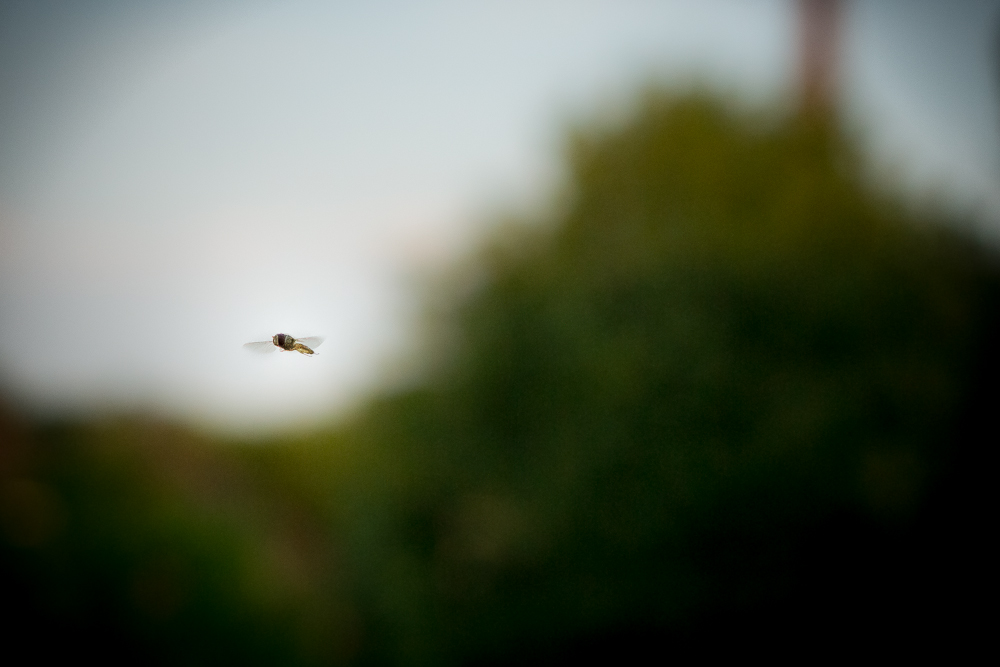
{"points": [[725, 364]]}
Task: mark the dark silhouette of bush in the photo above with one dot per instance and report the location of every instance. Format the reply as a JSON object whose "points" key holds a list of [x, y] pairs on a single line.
{"points": [[724, 391]]}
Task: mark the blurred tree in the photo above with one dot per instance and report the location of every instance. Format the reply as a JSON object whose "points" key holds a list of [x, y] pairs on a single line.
{"points": [[143, 543], [720, 385]]}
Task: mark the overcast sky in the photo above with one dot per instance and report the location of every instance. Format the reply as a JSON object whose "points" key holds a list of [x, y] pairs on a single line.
{"points": [[177, 179]]}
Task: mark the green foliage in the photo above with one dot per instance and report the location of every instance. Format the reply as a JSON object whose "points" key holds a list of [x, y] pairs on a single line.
{"points": [[145, 543], [726, 337]]}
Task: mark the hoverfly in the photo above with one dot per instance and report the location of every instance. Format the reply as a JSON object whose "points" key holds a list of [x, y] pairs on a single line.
{"points": [[286, 343]]}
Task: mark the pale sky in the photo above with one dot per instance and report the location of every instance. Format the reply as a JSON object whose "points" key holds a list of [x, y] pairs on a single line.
{"points": [[177, 179]]}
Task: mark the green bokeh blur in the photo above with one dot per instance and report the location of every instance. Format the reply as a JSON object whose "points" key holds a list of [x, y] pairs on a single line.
{"points": [[725, 390]]}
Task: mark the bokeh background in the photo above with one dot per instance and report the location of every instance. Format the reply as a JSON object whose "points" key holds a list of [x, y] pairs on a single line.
{"points": [[647, 324]]}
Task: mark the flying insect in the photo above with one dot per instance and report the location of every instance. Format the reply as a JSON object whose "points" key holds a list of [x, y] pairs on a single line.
{"points": [[286, 343]]}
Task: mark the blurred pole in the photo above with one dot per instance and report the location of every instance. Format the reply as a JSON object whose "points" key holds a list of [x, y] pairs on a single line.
{"points": [[996, 61], [819, 35]]}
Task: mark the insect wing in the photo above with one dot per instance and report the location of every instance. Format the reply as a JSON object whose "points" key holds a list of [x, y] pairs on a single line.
{"points": [[311, 342], [261, 347]]}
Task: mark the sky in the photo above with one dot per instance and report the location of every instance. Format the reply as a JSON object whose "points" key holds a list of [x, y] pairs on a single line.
{"points": [[177, 179]]}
